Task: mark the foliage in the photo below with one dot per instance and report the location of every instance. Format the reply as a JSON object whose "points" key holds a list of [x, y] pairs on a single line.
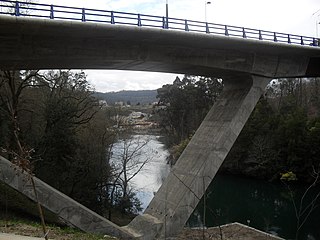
{"points": [[62, 127], [288, 176], [176, 150], [281, 135], [184, 104], [308, 201], [143, 97]]}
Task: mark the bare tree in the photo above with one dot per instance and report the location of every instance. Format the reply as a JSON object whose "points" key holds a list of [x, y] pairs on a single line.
{"points": [[12, 85], [303, 208], [129, 157]]}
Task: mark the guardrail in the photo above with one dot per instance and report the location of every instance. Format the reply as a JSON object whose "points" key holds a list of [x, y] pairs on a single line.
{"points": [[20, 9]]}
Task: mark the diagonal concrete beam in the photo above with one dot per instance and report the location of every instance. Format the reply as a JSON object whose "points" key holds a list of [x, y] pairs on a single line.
{"points": [[65, 207], [182, 190], [197, 166]]}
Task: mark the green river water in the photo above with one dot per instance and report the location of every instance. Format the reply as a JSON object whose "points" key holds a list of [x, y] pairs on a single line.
{"points": [[262, 205]]}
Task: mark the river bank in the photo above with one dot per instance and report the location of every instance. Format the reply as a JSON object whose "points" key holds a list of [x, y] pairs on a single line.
{"points": [[267, 206]]}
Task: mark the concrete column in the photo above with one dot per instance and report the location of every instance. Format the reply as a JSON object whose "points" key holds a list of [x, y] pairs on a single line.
{"points": [[65, 207], [189, 178]]}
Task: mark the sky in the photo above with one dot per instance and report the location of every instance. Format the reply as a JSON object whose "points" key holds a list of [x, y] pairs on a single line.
{"points": [[299, 17]]}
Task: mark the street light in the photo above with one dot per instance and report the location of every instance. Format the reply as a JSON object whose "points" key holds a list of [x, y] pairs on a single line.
{"points": [[205, 9], [317, 23], [167, 14]]}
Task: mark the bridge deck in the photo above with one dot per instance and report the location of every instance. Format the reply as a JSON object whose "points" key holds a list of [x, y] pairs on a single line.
{"points": [[31, 43]]}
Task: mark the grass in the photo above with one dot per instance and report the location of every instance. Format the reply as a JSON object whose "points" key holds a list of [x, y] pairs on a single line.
{"points": [[29, 228], [19, 215]]}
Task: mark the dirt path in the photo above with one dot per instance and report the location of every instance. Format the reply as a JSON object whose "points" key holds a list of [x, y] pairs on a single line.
{"points": [[234, 231]]}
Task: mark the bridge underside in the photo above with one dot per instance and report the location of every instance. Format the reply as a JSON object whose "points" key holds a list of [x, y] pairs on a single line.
{"points": [[196, 168], [245, 66], [188, 180], [27, 43]]}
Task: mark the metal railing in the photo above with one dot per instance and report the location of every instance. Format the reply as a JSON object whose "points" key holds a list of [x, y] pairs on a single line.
{"points": [[48, 11]]}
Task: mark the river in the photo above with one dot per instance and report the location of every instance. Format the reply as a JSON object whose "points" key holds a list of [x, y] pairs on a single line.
{"points": [[150, 178], [260, 204]]}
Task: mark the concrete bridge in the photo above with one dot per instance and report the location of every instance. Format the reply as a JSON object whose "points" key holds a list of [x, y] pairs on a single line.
{"points": [[246, 59]]}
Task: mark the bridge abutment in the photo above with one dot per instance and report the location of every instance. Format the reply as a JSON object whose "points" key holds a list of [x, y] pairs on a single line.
{"points": [[188, 180]]}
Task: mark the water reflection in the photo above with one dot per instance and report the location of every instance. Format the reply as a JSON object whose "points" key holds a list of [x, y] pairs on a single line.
{"points": [[262, 205], [150, 178], [265, 206]]}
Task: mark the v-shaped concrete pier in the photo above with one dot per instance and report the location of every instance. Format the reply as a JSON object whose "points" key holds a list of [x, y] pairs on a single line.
{"points": [[246, 67], [182, 190]]}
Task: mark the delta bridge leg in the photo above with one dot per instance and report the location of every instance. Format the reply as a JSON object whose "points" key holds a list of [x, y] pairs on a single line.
{"points": [[181, 192]]}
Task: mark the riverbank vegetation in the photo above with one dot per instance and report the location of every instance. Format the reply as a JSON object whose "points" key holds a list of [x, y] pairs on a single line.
{"points": [[280, 141], [68, 137], [51, 120], [281, 135]]}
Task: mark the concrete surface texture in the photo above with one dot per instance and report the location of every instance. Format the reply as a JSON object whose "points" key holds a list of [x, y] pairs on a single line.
{"points": [[57, 202], [179, 195], [246, 67], [31, 43]]}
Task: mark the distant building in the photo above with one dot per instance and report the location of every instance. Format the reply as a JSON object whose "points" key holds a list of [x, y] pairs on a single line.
{"points": [[103, 103], [120, 103]]}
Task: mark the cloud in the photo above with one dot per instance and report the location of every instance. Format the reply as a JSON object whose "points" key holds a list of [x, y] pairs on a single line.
{"points": [[116, 80]]}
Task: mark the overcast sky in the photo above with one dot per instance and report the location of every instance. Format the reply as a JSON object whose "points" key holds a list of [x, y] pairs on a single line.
{"points": [[288, 16]]}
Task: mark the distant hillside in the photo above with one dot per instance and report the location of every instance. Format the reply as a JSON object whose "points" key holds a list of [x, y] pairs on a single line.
{"points": [[134, 97]]}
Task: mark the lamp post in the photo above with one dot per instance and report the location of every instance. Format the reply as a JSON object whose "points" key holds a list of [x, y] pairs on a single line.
{"points": [[317, 21], [205, 9], [167, 14]]}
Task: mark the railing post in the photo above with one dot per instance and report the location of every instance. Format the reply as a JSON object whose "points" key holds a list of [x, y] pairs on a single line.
{"points": [[17, 9], [83, 15], [260, 35], [165, 23], [226, 31], [207, 28], [314, 42], [186, 27], [51, 12], [244, 33], [139, 20], [289, 40], [275, 37], [301, 40], [112, 18]]}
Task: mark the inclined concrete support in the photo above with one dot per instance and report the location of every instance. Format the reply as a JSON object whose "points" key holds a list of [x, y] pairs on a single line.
{"points": [[189, 178], [65, 207]]}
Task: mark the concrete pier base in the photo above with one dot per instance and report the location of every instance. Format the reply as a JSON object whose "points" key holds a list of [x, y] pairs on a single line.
{"points": [[184, 187]]}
